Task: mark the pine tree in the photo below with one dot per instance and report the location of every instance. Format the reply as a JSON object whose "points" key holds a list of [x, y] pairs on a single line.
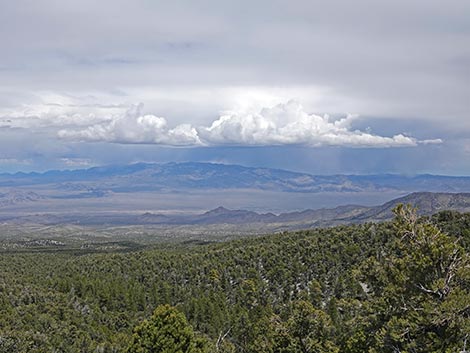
{"points": [[167, 331]]}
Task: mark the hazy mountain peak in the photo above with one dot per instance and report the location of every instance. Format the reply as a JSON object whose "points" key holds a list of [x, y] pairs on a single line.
{"points": [[218, 210]]}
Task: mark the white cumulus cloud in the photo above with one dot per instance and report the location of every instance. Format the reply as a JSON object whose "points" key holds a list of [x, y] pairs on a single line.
{"points": [[282, 124], [289, 124], [134, 127]]}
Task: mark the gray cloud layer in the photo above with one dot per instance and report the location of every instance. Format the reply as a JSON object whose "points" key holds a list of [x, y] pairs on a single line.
{"points": [[397, 58], [75, 67]]}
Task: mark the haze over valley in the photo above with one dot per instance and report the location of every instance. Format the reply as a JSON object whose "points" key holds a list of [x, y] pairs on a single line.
{"points": [[175, 188]]}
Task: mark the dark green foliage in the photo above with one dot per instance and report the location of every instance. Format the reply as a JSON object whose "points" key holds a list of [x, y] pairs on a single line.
{"points": [[307, 330], [401, 286], [167, 331]]}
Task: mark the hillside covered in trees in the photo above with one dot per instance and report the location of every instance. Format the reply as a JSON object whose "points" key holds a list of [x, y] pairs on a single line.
{"points": [[401, 286]]}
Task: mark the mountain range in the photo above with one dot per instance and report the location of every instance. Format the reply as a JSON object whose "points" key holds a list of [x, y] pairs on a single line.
{"points": [[191, 175], [181, 193], [427, 203]]}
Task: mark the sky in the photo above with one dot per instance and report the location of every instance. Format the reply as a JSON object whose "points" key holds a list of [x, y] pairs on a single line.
{"points": [[326, 87]]}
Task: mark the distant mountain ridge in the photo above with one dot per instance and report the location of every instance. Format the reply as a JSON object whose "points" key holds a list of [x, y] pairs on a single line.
{"points": [[191, 175], [427, 203], [18, 196]]}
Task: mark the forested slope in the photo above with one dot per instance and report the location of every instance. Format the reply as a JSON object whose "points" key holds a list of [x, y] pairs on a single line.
{"points": [[401, 286]]}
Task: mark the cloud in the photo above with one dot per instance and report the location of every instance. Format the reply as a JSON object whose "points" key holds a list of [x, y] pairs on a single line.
{"points": [[15, 161], [431, 142], [77, 162], [50, 110], [135, 128], [283, 124], [289, 124], [373, 66]]}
